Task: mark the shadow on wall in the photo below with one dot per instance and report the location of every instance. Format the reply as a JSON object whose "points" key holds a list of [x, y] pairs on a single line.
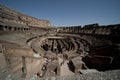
{"points": [[103, 58]]}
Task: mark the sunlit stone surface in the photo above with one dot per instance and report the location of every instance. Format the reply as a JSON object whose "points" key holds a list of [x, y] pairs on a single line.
{"points": [[31, 48]]}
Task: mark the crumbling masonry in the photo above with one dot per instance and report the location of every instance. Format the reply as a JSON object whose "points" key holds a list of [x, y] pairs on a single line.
{"points": [[30, 46]]}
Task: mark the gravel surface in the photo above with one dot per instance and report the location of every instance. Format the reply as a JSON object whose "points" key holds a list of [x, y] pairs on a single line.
{"points": [[107, 75]]}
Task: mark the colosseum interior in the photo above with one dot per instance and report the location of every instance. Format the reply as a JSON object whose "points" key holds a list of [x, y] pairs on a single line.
{"points": [[32, 47]]}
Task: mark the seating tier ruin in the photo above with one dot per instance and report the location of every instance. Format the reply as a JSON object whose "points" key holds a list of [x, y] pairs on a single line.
{"points": [[30, 46]]}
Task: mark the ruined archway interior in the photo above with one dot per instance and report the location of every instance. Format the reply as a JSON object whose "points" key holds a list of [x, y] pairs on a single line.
{"points": [[36, 48]]}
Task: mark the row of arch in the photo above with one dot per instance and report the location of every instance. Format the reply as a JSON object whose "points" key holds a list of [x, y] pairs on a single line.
{"points": [[98, 30], [9, 28], [27, 28]]}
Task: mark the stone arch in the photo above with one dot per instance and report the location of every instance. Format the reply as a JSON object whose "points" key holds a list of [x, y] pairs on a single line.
{"points": [[5, 28], [10, 28], [1, 28], [15, 29], [71, 66]]}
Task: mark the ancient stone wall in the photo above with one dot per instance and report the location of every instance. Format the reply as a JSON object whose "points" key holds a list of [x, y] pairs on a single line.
{"points": [[103, 40], [92, 29], [29, 46], [9, 17]]}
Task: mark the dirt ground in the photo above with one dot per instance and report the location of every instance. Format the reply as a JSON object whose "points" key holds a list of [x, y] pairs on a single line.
{"points": [[107, 75]]}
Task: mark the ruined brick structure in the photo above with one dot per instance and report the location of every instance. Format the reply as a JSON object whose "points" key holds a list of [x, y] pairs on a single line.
{"points": [[30, 46], [9, 17]]}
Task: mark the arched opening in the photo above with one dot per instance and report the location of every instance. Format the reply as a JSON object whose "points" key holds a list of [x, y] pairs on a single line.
{"points": [[10, 28], [1, 28], [71, 66]]}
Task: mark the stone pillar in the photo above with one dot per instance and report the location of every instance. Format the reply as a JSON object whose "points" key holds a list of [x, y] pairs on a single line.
{"points": [[24, 70], [3, 63]]}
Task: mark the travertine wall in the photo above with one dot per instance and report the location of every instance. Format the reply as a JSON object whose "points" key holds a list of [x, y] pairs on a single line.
{"points": [[11, 17], [92, 29]]}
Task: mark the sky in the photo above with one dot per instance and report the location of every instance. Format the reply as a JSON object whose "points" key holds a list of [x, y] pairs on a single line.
{"points": [[69, 12]]}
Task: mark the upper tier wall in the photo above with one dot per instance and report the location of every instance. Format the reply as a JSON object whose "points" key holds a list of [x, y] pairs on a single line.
{"points": [[92, 29], [9, 17]]}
